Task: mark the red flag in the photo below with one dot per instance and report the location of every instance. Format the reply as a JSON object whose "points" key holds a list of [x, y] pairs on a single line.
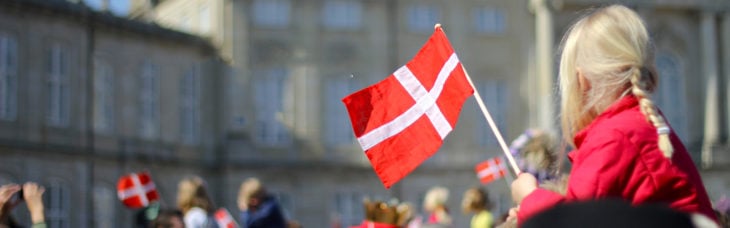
{"points": [[490, 170], [137, 190], [224, 219], [401, 121]]}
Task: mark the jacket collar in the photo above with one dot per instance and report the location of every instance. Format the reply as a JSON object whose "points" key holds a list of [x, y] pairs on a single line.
{"points": [[624, 103]]}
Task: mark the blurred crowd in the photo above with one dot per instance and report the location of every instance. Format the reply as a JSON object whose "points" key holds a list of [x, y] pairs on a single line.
{"points": [[534, 150]]}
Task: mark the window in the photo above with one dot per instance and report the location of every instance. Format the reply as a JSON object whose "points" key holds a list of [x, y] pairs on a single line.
{"points": [[58, 205], [58, 87], [103, 97], [670, 95], [189, 106], [8, 78], [349, 207], [337, 121], [269, 98], [104, 202], [489, 20], [495, 94], [339, 14], [204, 19], [149, 106], [271, 13], [422, 18]]}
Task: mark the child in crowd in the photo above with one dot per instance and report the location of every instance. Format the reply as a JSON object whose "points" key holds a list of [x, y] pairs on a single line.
{"points": [[624, 147]]}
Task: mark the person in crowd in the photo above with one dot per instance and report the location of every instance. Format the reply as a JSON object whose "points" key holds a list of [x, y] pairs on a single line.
{"points": [[534, 152], [435, 205], [168, 219], [258, 208], [621, 139], [11, 195], [476, 202], [194, 202], [379, 214]]}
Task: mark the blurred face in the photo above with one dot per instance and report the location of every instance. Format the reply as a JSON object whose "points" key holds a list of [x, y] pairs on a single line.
{"points": [[177, 222], [185, 192]]}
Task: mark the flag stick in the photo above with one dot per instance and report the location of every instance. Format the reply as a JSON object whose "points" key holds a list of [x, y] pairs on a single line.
{"points": [[487, 116]]}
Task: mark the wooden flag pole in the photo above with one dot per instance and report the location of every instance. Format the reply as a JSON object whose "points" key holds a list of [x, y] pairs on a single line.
{"points": [[487, 116], [492, 125]]}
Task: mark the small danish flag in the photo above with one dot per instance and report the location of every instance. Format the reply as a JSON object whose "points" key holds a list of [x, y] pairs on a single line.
{"points": [[224, 219], [137, 190], [490, 170]]}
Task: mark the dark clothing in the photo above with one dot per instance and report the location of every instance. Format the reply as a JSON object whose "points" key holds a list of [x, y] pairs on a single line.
{"points": [[267, 215], [609, 213]]}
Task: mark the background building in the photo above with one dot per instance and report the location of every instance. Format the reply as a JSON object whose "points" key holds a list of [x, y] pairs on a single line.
{"points": [[88, 97], [252, 88]]}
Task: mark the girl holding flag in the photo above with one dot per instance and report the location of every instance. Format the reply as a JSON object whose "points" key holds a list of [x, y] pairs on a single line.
{"points": [[624, 147]]}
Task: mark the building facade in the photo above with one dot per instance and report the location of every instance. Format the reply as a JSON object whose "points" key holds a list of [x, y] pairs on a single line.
{"points": [[88, 96], [293, 61]]}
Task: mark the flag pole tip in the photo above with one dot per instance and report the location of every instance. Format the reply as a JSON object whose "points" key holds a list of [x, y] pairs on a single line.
{"points": [[436, 26]]}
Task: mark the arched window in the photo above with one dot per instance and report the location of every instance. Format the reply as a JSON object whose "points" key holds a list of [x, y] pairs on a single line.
{"points": [[670, 95]]}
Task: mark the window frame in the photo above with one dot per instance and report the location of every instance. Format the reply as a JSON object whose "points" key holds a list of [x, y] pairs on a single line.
{"points": [[190, 105], [276, 14], [8, 77], [149, 98], [58, 83]]}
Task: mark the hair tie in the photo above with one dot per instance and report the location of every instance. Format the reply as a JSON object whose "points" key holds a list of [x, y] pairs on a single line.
{"points": [[663, 130]]}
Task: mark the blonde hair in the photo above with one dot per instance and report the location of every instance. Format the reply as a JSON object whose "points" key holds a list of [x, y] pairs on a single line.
{"points": [[250, 188], [612, 50], [475, 200], [191, 193], [435, 197]]}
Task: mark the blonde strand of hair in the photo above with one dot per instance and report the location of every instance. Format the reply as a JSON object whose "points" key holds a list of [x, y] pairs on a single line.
{"points": [[648, 108]]}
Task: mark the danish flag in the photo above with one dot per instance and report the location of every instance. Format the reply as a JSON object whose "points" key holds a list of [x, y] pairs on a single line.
{"points": [[137, 190], [490, 170], [224, 219], [402, 120]]}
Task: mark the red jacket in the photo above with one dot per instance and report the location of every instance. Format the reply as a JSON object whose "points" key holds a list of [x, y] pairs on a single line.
{"points": [[617, 156]]}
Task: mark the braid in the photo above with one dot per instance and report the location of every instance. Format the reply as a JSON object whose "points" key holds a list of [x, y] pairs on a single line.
{"points": [[639, 89]]}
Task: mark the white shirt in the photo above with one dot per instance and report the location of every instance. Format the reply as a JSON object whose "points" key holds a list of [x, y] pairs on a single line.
{"points": [[196, 218]]}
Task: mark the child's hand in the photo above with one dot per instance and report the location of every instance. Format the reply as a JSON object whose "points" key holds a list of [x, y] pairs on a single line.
{"points": [[6, 195], [33, 195], [523, 186]]}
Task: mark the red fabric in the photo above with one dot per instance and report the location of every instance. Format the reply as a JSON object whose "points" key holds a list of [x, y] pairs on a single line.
{"points": [[369, 224], [224, 219], [394, 157], [137, 190], [490, 170], [617, 156]]}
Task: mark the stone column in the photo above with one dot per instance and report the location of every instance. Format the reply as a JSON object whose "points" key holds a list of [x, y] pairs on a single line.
{"points": [[709, 58], [544, 33]]}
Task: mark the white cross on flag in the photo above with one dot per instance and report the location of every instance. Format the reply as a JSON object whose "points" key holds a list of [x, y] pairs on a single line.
{"points": [[490, 170], [224, 219], [402, 120], [137, 190]]}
